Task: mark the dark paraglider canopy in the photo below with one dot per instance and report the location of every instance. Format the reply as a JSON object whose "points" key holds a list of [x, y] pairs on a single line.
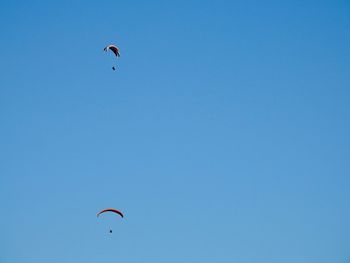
{"points": [[110, 210], [113, 48]]}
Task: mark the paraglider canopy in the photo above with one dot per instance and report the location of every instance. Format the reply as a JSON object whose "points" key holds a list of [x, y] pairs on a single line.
{"points": [[114, 49], [110, 210]]}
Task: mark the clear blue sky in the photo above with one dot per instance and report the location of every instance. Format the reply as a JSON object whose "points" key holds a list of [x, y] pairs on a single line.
{"points": [[223, 135]]}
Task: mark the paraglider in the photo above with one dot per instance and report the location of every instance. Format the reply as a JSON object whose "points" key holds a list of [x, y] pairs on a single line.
{"points": [[111, 210], [114, 49]]}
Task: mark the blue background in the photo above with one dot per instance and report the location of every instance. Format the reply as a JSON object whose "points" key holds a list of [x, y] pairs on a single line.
{"points": [[223, 135]]}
